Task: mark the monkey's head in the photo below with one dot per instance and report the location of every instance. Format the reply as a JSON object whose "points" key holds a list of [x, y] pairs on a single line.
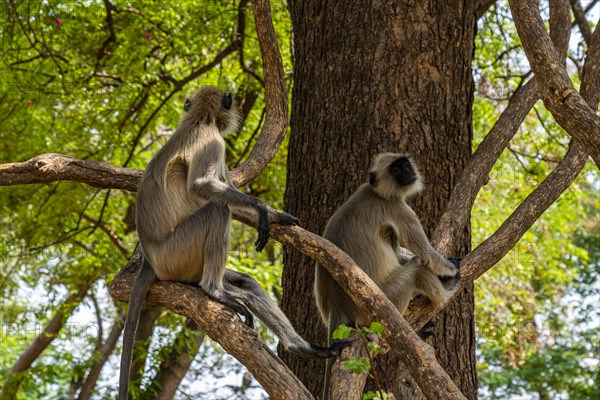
{"points": [[395, 176], [210, 106]]}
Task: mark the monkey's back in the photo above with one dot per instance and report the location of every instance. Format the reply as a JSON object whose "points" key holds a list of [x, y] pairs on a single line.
{"points": [[358, 231]]}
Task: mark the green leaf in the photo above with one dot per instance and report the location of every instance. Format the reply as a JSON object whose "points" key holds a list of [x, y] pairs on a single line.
{"points": [[342, 332], [376, 327], [357, 365]]}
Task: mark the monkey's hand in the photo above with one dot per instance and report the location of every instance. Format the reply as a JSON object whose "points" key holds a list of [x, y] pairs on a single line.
{"points": [[450, 283], [262, 226], [287, 219], [455, 262]]}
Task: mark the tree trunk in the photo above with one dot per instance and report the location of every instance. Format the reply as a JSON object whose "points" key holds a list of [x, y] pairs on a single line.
{"points": [[372, 77]]}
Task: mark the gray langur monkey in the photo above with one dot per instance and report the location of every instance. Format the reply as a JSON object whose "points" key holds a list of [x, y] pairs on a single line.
{"points": [[384, 237], [183, 218]]}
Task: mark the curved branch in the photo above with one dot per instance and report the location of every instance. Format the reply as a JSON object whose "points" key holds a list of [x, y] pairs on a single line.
{"points": [[221, 324], [276, 121], [496, 246], [475, 174], [560, 97]]}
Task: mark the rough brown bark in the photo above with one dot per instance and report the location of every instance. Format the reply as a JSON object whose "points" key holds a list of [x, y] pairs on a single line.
{"points": [[371, 77], [46, 168]]}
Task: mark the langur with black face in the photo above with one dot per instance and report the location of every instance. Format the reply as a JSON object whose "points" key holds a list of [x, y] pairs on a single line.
{"points": [[183, 218], [384, 237]]}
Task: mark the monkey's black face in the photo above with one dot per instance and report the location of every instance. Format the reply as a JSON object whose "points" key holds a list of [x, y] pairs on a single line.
{"points": [[227, 101], [403, 171]]}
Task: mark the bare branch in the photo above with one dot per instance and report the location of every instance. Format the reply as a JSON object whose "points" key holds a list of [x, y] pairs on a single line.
{"points": [[50, 167], [475, 174], [41, 342], [590, 84], [104, 351], [496, 246], [221, 324], [582, 23], [560, 97], [276, 121]]}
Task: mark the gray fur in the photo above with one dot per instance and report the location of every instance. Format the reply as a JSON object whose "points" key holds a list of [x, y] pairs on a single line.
{"points": [[383, 235], [183, 218]]}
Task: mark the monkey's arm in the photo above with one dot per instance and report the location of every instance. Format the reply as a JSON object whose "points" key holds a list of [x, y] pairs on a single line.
{"points": [[206, 180], [412, 236]]}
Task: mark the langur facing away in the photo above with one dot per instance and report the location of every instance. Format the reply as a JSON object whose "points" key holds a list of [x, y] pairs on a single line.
{"points": [[383, 235], [183, 217]]}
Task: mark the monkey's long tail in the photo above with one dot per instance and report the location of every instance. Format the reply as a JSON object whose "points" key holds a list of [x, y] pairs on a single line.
{"points": [[145, 278]]}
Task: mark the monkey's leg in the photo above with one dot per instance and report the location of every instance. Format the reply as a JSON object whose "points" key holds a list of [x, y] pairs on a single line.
{"points": [[245, 288], [399, 285], [431, 286], [196, 251], [144, 279], [215, 260]]}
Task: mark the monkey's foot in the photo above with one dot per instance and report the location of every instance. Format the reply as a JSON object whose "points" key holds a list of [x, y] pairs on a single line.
{"points": [[315, 351], [224, 298], [427, 330], [287, 219]]}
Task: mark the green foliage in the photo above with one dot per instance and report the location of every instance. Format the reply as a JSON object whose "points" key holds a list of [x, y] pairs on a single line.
{"points": [[537, 327], [68, 85], [363, 365], [357, 365]]}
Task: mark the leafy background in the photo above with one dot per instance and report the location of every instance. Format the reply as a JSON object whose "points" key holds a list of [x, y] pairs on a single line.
{"points": [[110, 85]]}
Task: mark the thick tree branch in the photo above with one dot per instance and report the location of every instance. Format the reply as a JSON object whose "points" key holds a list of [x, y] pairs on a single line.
{"points": [[276, 98], [50, 167], [221, 324], [560, 97], [496, 246]]}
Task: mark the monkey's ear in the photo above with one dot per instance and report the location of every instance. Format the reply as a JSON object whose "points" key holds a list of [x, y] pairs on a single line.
{"points": [[187, 105], [373, 178], [227, 101]]}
